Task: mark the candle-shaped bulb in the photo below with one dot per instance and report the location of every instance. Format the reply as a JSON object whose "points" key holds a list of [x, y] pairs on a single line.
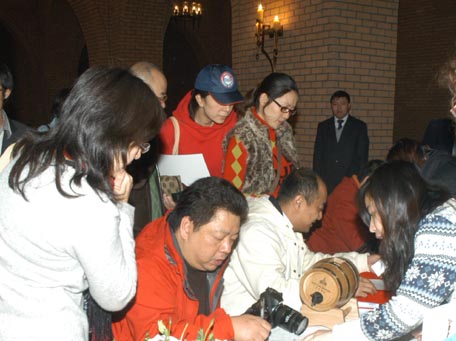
{"points": [[198, 9], [176, 10], [276, 23], [260, 13], [193, 8], [185, 8]]}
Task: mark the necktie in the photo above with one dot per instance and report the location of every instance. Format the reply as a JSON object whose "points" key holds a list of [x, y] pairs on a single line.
{"points": [[339, 124], [339, 129]]}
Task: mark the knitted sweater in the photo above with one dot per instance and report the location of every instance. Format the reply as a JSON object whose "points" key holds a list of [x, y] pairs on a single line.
{"points": [[53, 248], [429, 282]]}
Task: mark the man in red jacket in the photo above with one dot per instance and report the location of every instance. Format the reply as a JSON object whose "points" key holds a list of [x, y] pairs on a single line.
{"points": [[181, 259], [341, 228]]}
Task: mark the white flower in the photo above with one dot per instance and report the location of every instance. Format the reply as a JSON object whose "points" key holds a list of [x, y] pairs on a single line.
{"points": [[159, 337]]}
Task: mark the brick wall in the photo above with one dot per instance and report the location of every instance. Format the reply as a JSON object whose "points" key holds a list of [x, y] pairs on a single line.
{"points": [[326, 46], [123, 32]]}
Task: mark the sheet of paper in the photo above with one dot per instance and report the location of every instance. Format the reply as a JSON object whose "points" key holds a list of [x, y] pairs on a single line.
{"points": [[279, 334], [378, 267], [364, 307], [378, 284], [190, 167]]}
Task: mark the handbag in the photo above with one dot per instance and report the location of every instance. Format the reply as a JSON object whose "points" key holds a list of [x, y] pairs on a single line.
{"points": [[170, 184]]}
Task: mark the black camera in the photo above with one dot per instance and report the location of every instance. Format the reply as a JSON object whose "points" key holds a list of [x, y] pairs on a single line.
{"points": [[270, 308]]}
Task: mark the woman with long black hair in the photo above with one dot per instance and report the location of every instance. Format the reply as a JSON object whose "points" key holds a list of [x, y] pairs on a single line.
{"points": [[65, 224], [416, 223]]}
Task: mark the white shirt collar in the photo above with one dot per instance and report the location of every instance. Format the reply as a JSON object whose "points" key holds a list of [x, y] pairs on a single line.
{"points": [[343, 119]]}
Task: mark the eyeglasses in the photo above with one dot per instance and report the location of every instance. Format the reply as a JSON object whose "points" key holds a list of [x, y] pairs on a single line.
{"points": [[145, 147], [286, 110]]}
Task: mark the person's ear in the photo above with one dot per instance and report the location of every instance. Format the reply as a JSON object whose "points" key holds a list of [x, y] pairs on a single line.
{"points": [[263, 100], [186, 228], [298, 201], [7, 93], [199, 100]]}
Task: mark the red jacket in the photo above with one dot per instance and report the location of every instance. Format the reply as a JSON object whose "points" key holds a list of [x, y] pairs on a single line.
{"points": [[341, 229], [163, 292], [195, 139]]}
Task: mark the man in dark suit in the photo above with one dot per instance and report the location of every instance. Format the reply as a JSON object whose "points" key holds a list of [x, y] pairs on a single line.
{"points": [[342, 145], [10, 130]]}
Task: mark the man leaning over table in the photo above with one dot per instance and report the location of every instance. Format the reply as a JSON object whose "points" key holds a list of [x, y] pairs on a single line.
{"points": [[271, 250], [181, 258]]}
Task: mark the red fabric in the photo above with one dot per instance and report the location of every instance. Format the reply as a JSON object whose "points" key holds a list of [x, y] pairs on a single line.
{"points": [[195, 138], [380, 297], [161, 295], [341, 229]]}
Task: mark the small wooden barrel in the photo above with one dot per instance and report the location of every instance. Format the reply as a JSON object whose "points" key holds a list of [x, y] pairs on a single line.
{"points": [[329, 283]]}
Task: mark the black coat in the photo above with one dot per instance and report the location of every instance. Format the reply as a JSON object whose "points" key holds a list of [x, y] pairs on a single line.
{"points": [[440, 169], [333, 160], [439, 135]]}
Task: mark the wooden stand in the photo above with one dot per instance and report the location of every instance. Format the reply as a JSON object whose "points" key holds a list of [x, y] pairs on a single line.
{"points": [[333, 316]]}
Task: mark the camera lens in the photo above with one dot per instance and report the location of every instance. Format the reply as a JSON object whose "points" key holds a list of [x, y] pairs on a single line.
{"points": [[289, 319]]}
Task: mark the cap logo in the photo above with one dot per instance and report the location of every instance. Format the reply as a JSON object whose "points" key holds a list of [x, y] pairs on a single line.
{"points": [[227, 79]]}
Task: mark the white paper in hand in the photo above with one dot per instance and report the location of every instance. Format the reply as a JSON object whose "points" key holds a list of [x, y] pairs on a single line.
{"points": [[190, 167], [378, 267]]}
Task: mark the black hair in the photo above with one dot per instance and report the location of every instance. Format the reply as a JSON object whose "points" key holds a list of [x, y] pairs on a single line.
{"points": [[107, 111], [6, 78], [58, 100], [274, 85], [368, 168], [201, 200], [402, 198], [301, 181], [407, 150], [340, 94], [193, 106]]}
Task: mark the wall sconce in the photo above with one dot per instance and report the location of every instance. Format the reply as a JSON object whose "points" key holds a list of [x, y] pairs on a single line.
{"points": [[275, 31], [186, 12]]}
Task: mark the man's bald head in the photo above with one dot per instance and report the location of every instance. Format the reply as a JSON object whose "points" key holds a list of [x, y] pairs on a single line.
{"points": [[151, 75]]}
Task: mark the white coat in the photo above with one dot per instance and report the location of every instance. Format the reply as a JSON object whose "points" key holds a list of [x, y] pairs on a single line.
{"points": [[270, 254]]}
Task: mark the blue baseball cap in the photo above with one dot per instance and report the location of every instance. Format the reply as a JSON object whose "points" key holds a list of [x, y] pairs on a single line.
{"points": [[220, 81]]}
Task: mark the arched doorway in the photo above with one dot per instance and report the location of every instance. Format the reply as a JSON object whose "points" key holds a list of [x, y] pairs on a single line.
{"points": [[188, 48]]}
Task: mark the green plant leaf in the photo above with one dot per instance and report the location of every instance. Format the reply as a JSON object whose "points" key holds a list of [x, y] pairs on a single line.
{"points": [[162, 328]]}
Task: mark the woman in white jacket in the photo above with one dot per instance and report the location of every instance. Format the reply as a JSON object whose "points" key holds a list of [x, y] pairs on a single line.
{"points": [[65, 224]]}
